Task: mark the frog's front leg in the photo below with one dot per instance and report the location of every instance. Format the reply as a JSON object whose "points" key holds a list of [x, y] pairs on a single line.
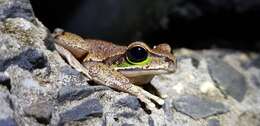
{"points": [[102, 74], [72, 60]]}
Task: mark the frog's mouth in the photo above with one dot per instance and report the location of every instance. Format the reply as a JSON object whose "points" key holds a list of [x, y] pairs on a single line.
{"points": [[135, 72], [140, 72]]}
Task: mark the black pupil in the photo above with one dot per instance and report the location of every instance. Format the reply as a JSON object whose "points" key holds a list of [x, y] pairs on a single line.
{"points": [[137, 54]]}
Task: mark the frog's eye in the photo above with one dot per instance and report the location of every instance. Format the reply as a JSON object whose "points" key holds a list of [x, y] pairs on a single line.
{"points": [[136, 54]]}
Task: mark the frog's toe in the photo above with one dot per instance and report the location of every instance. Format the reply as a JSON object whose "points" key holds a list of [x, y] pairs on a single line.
{"points": [[153, 97], [156, 99], [160, 101], [145, 100]]}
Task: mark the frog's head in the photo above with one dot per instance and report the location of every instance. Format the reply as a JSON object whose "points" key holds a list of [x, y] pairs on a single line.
{"points": [[139, 61]]}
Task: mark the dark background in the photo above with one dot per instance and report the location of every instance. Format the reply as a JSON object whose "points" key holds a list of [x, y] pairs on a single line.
{"points": [[196, 24]]}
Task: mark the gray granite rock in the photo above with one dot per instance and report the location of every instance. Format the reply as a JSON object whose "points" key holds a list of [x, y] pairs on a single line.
{"points": [[197, 108], [89, 108], [127, 115], [256, 62], [16, 8], [256, 80], [167, 108], [253, 66], [6, 112], [30, 59], [228, 79], [151, 122], [213, 122], [5, 80], [8, 122], [70, 93], [71, 78], [40, 111], [27, 33], [126, 124], [130, 102]]}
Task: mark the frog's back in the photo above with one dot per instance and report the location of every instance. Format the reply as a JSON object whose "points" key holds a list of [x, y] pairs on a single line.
{"points": [[100, 50], [87, 49]]}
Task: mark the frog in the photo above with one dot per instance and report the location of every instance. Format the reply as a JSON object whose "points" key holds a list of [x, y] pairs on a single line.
{"points": [[123, 68]]}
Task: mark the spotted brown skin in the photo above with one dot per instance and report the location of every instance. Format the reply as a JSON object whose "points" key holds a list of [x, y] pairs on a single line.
{"points": [[111, 65]]}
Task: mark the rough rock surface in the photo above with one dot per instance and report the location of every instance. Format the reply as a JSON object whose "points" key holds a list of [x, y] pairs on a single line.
{"points": [[198, 108], [37, 87], [16, 8]]}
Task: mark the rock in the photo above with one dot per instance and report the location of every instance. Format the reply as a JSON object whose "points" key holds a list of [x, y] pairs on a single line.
{"points": [[151, 122], [41, 111], [9, 48], [252, 63], [26, 32], [16, 8], [23, 83], [70, 93], [195, 62], [213, 122], [256, 62], [130, 102], [6, 112], [167, 108], [127, 115], [5, 80], [30, 59], [197, 108], [253, 68], [227, 79], [89, 108], [72, 77], [126, 124], [8, 122], [256, 80]]}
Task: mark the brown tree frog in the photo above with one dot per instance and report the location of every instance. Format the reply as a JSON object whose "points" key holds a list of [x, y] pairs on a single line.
{"points": [[119, 67]]}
